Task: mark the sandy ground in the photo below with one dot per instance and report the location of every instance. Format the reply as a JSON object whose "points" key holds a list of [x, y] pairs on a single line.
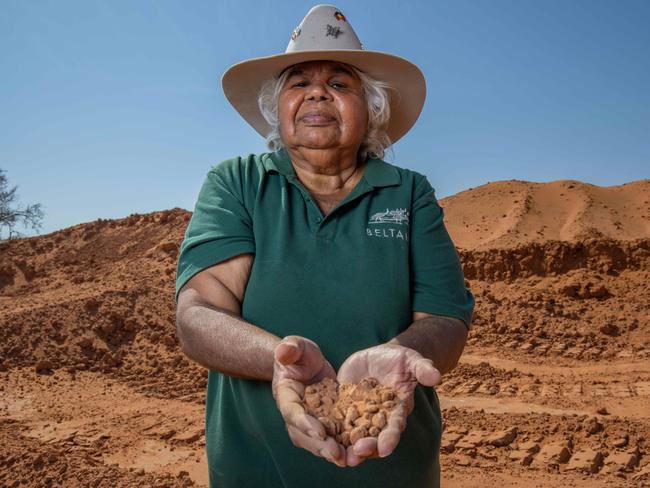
{"points": [[553, 388]]}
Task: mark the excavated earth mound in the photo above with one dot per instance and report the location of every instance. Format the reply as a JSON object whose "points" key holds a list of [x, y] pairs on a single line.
{"points": [[507, 214]]}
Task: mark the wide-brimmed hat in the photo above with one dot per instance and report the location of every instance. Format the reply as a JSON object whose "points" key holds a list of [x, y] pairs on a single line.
{"points": [[326, 35]]}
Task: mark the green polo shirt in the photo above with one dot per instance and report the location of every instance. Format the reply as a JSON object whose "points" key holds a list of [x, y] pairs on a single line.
{"points": [[348, 280]]}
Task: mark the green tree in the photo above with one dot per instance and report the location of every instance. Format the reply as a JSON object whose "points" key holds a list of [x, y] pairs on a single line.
{"points": [[11, 214]]}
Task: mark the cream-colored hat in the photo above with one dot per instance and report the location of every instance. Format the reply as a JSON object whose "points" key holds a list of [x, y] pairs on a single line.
{"points": [[325, 35]]}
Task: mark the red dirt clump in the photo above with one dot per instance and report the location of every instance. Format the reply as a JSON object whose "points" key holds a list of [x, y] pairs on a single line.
{"points": [[350, 411]]}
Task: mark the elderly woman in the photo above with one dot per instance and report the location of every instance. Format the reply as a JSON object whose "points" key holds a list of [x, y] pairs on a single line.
{"points": [[318, 260]]}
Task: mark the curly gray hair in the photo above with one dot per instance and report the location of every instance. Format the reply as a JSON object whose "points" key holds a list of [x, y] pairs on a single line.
{"points": [[377, 95]]}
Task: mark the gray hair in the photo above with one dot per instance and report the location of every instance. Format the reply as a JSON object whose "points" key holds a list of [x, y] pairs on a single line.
{"points": [[377, 95]]}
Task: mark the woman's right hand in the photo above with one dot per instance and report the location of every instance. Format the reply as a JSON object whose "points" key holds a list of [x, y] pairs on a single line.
{"points": [[298, 362]]}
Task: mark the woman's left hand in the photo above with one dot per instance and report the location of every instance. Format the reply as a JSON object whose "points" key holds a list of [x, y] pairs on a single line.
{"points": [[396, 366]]}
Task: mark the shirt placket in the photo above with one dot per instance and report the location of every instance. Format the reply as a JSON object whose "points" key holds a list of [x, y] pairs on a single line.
{"points": [[317, 220], [314, 213]]}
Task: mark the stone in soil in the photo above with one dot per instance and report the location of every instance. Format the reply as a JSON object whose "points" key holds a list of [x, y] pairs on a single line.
{"points": [[522, 457], [502, 438], [621, 461], [586, 460], [553, 454]]}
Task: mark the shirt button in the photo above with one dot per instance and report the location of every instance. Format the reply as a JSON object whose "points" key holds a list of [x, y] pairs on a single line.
{"points": [[318, 220]]}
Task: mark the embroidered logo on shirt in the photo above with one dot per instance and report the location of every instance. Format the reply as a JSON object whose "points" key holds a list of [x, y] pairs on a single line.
{"points": [[398, 216]]}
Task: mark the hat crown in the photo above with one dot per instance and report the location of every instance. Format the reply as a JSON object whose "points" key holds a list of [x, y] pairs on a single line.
{"points": [[323, 28]]}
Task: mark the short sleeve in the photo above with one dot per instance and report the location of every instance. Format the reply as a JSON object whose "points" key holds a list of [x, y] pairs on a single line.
{"points": [[437, 281], [220, 228]]}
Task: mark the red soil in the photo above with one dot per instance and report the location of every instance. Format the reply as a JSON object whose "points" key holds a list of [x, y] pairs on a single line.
{"points": [[552, 389]]}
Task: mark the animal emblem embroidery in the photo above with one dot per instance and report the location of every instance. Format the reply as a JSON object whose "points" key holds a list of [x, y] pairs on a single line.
{"points": [[333, 31], [295, 33], [339, 16], [397, 216]]}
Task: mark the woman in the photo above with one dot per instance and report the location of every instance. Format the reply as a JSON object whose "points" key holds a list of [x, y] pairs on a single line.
{"points": [[317, 260]]}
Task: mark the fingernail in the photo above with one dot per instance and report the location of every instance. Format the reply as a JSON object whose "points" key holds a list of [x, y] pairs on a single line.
{"points": [[313, 433]]}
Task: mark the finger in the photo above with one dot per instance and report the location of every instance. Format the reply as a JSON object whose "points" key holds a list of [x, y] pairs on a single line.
{"points": [[289, 400], [353, 369], [389, 437], [365, 447], [425, 372], [327, 371], [328, 448], [351, 459], [288, 351]]}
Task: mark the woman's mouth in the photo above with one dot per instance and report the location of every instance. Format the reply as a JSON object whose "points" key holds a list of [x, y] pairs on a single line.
{"points": [[316, 118]]}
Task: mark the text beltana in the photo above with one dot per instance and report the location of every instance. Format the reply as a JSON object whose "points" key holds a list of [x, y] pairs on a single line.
{"points": [[388, 233]]}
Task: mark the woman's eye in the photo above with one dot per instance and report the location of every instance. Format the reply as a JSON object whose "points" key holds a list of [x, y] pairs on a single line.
{"points": [[300, 83], [338, 85]]}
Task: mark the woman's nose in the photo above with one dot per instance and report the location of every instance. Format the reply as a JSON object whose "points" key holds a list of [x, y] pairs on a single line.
{"points": [[318, 91]]}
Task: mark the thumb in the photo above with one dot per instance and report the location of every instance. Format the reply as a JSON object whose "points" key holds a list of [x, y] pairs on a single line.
{"points": [[425, 372], [288, 351]]}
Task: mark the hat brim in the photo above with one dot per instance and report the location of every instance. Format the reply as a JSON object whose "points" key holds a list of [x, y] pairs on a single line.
{"points": [[242, 82]]}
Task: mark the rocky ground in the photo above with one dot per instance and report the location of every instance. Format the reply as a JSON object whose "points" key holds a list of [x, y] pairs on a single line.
{"points": [[552, 390]]}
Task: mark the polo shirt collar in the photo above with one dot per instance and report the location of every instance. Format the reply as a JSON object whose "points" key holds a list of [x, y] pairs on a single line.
{"points": [[378, 173], [279, 162]]}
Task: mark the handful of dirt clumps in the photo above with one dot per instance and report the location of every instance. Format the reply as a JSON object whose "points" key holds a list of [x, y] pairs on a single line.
{"points": [[350, 412]]}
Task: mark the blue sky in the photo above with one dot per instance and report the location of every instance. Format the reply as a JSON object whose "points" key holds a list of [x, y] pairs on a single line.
{"points": [[113, 107]]}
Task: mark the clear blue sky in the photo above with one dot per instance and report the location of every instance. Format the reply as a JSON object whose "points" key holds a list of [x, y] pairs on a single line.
{"points": [[114, 107]]}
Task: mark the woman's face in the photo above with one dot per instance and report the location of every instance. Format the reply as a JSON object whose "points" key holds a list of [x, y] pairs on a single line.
{"points": [[321, 106]]}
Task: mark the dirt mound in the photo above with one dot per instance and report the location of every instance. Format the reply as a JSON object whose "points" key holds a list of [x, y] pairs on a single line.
{"points": [[506, 214], [555, 257], [579, 315], [99, 297]]}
